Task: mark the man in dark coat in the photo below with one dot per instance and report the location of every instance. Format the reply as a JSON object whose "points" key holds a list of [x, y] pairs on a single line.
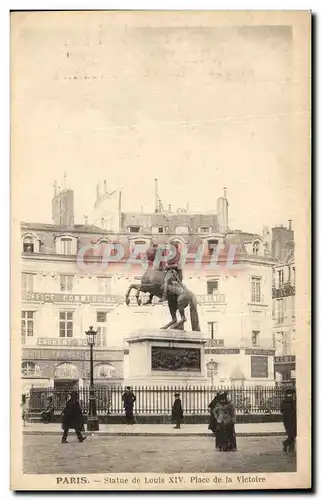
{"points": [[288, 410], [177, 411], [129, 399], [72, 418]]}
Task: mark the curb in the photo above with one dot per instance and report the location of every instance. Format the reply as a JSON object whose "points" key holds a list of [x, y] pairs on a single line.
{"points": [[153, 434]]}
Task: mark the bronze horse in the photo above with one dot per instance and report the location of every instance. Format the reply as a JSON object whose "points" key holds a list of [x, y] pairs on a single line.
{"points": [[178, 297]]}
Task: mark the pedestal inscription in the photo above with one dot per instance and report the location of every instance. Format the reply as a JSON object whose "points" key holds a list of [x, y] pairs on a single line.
{"points": [[176, 359]]}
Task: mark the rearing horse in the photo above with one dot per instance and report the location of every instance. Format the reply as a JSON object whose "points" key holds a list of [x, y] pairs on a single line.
{"points": [[178, 297]]}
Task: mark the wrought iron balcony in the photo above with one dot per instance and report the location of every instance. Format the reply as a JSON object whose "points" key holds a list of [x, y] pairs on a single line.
{"points": [[287, 289]]}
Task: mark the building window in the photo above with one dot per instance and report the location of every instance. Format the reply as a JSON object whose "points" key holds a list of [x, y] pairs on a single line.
{"points": [[134, 229], [280, 311], [104, 370], [212, 287], [66, 246], [27, 282], [104, 284], [101, 318], [29, 369], [212, 329], [281, 278], [256, 289], [256, 247], [212, 245], [28, 246], [293, 269], [255, 338], [27, 324], [205, 229], [66, 282], [66, 323]]}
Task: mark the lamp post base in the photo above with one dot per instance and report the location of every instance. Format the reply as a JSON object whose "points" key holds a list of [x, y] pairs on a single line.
{"points": [[92, 424]]}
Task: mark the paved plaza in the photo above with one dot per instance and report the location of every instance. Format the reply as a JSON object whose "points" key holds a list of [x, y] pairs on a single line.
{"points": [[44, 454]]}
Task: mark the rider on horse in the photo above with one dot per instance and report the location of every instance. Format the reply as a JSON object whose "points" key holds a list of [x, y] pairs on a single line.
{"points": [[151, 255], [173, 264]]}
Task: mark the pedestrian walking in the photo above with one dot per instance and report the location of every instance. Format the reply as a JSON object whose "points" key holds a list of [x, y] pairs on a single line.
{"points": [[72, 418], [225, 415], [288, 410], [129, 399], [177, 411]]}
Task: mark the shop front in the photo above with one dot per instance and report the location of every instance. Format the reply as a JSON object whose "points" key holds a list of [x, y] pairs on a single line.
{"points": [[284, 370]]}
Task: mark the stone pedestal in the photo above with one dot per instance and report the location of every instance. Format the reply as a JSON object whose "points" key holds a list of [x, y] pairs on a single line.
{"points": [[171, 357]]}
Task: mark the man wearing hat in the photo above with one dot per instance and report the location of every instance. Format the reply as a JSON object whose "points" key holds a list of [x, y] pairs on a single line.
{"points": [[129, 399], [288, 410], [177, 411]]}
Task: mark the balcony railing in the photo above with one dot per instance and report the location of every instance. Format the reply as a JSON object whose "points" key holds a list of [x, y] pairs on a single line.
{"points": [[287, 289]]}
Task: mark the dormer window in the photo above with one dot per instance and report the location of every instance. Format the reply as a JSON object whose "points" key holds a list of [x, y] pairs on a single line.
{"points": [[205, 229], [30, 243], [66, 244], [134, 229], [256, 248], [28, 246], [212, 245]]}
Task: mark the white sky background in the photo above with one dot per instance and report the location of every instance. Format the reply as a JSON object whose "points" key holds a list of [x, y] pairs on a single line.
{"points": [[199, 108]]}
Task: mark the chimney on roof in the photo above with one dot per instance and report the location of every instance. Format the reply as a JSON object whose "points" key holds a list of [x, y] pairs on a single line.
{"points": [[86, 219], [222, 213], [169, 208], [290, 224], [225, 192], [105, 186]]}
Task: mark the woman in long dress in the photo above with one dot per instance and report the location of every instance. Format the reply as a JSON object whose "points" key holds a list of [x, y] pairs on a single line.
{"points": [[212, 424], [225, 415]]}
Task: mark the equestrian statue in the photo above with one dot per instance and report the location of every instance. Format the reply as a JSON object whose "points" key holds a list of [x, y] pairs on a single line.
{"points": [[166, 283]]}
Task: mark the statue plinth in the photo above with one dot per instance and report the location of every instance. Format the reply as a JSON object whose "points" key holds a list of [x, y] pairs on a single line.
{"points": [[166, 357]]}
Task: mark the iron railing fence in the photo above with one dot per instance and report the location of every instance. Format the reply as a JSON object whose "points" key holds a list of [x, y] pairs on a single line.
{"points": [[154, 400]]}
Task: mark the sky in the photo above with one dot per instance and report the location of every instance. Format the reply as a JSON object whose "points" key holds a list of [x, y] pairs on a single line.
{"points": [[199, 107]]}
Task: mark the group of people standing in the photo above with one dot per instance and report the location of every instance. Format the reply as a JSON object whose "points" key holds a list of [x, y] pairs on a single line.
{"points": [[223, 418]]}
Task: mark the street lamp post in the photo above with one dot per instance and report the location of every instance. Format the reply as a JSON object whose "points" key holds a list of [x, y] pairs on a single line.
{"points": [[92, 420], [211, 368]]}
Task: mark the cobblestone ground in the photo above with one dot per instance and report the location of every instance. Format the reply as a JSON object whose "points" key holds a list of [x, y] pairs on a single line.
{"points": [[45, 455]]}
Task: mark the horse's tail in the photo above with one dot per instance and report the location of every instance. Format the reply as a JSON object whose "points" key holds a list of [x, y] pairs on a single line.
{"points": [[194, 315]]}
